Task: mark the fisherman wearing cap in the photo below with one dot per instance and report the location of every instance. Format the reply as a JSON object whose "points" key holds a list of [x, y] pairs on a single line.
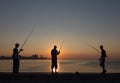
{"points": [[54, 54], [15, 57]]}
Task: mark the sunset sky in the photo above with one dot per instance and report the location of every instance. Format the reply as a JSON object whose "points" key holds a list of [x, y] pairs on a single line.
{"points": [[77, 23]]}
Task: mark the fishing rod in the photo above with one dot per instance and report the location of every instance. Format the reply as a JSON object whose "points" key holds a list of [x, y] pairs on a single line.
{"points": [[61, 45], [94, 48], [27, 38]]}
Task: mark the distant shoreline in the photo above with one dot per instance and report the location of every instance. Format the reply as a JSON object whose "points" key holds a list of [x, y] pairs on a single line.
{"points": [[49, 59], [33, 57], [26, 59]]}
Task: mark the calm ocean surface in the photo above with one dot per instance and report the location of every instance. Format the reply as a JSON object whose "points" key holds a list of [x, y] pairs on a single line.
{"points": [[83, 66]]}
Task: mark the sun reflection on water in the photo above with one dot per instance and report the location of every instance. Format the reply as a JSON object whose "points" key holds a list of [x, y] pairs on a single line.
{"points": [[57, 70]]}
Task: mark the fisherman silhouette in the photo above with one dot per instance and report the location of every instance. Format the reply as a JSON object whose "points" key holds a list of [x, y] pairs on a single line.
{"points": [[54, 54], [102, 59], [15, 57]]}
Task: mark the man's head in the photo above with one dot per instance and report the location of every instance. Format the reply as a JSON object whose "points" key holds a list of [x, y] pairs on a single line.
{"points": [[101, 46], [16, 45], [55, 47]]}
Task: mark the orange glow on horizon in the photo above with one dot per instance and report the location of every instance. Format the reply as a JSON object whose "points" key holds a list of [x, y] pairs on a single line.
{"points": [[68, 51]]}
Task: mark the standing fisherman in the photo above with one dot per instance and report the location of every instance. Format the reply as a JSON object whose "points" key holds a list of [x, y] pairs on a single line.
{"points": [[102, 59], [54, 54], [15, 57]]}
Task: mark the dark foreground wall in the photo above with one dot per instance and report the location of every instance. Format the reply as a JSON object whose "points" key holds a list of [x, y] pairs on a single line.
{"points": [[59, 78]]}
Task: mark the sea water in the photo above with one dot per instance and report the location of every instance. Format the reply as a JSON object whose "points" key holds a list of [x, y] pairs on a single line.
{"points": [[83, 66]]}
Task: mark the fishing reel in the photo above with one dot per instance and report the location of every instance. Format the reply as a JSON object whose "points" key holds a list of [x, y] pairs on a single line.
{"points": [[21, 49]]}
